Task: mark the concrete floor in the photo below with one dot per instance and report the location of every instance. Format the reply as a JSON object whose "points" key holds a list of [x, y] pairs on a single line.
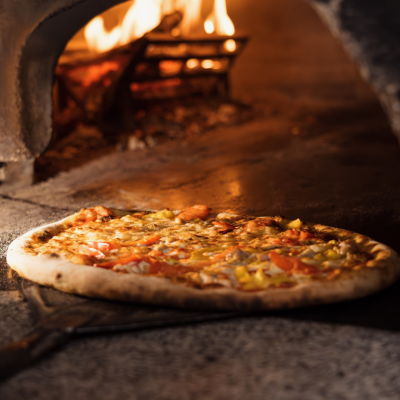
{"points": [[321, 150]]}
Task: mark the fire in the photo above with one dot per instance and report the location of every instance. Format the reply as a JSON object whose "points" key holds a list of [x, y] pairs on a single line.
{"points": [[191, 10], [144, 15], [98, 38], [218, 21]]}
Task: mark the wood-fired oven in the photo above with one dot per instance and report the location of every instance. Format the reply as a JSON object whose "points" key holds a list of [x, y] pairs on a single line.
{"points": [[34, 35]]}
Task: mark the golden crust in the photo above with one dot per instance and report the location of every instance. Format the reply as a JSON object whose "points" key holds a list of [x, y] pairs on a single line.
{"points": [[58, 272]]}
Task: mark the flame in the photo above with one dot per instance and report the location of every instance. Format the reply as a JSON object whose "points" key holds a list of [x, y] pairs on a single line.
{"points": [[219, 20], [98, 38], [144, 15], [209, 26], [192, 63], [191, 10], [230, 45]]}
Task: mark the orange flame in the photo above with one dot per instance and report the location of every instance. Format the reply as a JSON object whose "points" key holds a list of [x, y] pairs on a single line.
{"points": [[191, 11], [144, 15], [218, 21]]}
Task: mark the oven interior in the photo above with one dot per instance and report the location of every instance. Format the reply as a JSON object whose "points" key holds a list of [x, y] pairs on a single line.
{"points": [[290, 127]]}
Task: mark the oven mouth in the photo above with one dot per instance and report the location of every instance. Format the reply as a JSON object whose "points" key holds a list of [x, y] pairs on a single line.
{"points": [[27, 74], [166, 82]]}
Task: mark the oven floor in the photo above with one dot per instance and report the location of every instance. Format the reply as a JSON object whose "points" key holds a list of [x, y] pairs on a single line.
{"points": [[323, 152]]}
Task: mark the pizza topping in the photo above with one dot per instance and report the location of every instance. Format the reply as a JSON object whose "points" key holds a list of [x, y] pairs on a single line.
{"points": [[160, 215], [104, 246], [90, 251], [245, 253], [191, 213], [296, 224], [223, 227], [149, 240]]}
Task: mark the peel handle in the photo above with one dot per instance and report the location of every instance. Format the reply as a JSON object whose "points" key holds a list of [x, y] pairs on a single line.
{"points": [[19, 355]]}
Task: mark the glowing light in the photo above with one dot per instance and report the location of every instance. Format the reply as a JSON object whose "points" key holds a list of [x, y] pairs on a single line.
{"points": [[230, 45], [217, 65], [192, 63], [175, 32], [209, 26], [207, 64], [222, 24], [98, 38], [191, 11], [170, 67], [144, 15]]}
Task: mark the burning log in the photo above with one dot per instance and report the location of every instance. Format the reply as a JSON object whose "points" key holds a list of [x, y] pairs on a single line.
{"points": [[105, 88], [85, 86], [117, 97]]}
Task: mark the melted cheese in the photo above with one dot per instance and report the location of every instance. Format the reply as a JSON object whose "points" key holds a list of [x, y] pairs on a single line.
{"points": [[200, 253]]}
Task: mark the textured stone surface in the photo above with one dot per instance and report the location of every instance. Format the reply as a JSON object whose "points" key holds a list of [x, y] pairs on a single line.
{"points": [[369, 30], [248, 358], [32, 36]]}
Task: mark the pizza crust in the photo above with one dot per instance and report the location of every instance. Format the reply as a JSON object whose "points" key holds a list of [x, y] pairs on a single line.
{"points": [[61, 274]]}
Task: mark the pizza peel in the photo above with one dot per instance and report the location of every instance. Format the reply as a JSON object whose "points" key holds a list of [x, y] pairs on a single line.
{"points": [[76, 316], [61, 317]]}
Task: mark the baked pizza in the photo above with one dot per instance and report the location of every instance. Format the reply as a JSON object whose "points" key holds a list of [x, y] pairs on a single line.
{"points": [[193, 259]]}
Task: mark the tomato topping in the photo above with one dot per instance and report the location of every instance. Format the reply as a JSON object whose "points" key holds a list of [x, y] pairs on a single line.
{"points": [[291, 242], [292, 234], [225, 227], [149, 239], [282, 262], [304, 235], [277, 241], [102, 211], [283, 241], [225, 252], [156, 253], [84, 216], [122, 261], [292, 264], [260, 223], [198, 211]]}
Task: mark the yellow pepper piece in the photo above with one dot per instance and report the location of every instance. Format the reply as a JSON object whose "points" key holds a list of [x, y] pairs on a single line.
{"points": [[251, 250], [242, 275], [160, 215], [197, 255], [332, 254], [296, 224], [319, 257], [260, 279]]}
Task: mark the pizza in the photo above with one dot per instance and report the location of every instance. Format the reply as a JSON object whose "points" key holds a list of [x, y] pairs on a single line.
{"points": [[194, 259]]}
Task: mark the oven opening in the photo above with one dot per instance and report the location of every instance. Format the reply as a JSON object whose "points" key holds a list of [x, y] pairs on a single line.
{"points": [[142, 73], [129, 81]]}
